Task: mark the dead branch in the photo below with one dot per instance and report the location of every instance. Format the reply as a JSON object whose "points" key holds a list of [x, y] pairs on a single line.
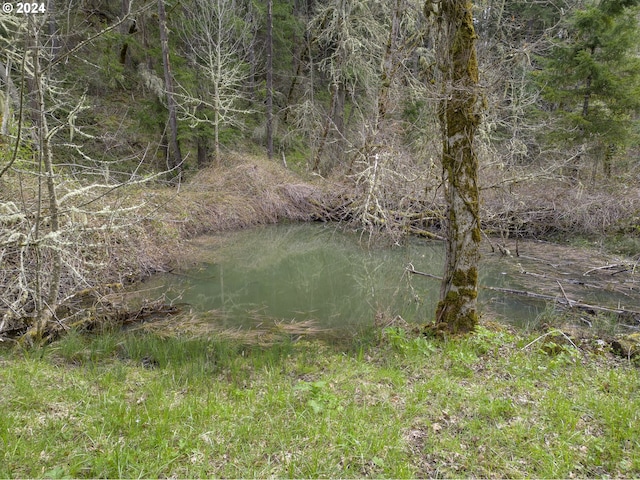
{"points": [[525, 293], [411, 269], [622, 266], [569, 302], [566, 302]]}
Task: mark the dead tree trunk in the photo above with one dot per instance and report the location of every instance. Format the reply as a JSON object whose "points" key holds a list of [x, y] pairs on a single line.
{"points": [[46, 303]]}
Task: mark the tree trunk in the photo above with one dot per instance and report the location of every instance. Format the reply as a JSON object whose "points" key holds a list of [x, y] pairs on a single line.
{"points": [[587, 97], [270, 79], [202, 152], [389, 63], [54, 43], [251, 54], [325, 130], [46, 307], [5, 109], [175, 156], [216, 136], [608, 159], [459, 119], [127, 28], [297, 61]]}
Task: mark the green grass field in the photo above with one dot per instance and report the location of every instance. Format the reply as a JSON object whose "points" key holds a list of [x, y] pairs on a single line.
{"points": [[388, 404]]}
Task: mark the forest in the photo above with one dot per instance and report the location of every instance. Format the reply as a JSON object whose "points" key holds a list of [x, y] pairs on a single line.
{"points": [[498, 139], [106, 105]]}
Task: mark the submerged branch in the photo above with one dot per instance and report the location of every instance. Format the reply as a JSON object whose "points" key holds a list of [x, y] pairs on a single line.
{"points": [[565, 301]]}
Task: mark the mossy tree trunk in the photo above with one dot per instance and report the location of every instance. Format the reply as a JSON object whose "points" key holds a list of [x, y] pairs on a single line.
{"points": [[459, 118]]}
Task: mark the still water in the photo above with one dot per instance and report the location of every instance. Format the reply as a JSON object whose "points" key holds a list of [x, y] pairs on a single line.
{"points": [[317, 272]]}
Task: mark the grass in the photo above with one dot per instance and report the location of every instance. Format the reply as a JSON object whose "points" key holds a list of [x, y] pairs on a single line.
{"points": [[387, 405]]}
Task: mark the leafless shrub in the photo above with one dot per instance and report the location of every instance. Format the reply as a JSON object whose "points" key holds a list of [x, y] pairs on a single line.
{"points": [[110, 240], [542, 205]]}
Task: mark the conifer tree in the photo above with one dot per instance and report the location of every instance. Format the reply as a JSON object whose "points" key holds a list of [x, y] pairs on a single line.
{"points": [[591, 80]]}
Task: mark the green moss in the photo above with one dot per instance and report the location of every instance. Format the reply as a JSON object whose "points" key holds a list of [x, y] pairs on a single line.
{"points": [[477, 238], [459, 115], [459, 278], [450, 298], [451, 318], [467, 278], [453, 314], [469, 292]]}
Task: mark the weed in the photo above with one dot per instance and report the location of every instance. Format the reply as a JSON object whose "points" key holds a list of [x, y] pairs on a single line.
{"points": [[319, 395], [405, 343]]}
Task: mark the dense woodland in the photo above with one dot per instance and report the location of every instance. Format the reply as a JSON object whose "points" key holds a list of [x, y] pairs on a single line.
{"points": [[107, 106]]}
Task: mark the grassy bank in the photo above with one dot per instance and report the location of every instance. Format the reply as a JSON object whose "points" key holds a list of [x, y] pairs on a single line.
{"points": [[387, 404]]}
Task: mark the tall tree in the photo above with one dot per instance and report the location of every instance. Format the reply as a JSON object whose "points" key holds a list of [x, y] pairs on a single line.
{"points": [[215, 36], [351, 37], [459, 118], [591, 80], [511, 35], [45, 304], [174, 157], [270, 78]]}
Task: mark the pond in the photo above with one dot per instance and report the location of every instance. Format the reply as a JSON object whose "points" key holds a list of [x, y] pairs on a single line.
{"points": [[316, 272]]}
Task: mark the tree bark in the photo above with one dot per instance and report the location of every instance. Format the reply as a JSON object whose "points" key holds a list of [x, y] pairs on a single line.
{"points": [[127, 28], [327, 127], [174, 158], [459, 118], [54, 42], [5, 108], [389, 63], [202, 153], [270, 79], [45, 307]]}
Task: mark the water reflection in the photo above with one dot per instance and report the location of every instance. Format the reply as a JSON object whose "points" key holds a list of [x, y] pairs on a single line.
{"points": [[317, 272]]}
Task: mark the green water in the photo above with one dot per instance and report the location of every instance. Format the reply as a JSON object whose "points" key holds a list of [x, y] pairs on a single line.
{"points": [[317, 272]]}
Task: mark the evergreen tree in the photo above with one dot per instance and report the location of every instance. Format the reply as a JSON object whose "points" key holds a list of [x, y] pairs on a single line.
{"points": [[591, 80]]}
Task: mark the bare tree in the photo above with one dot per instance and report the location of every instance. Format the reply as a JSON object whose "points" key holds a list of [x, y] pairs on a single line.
{"points": [[54, 228], [351, 36], [46, 304], [378, 164], [216, 35], [13, 27], [270, 79]]}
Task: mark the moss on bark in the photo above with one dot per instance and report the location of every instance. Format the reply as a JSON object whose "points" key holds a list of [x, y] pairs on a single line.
{"points": [[459, 116]]}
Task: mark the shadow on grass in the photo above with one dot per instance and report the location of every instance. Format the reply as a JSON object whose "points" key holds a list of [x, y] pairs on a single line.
{"points": [[234, 357]]}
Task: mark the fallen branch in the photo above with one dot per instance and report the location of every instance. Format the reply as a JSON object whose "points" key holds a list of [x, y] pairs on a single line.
{"points": [[564, 293], [624, 267], [565, 301], [411, 269], [552, 332], [420, 232], [562, 301]]}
